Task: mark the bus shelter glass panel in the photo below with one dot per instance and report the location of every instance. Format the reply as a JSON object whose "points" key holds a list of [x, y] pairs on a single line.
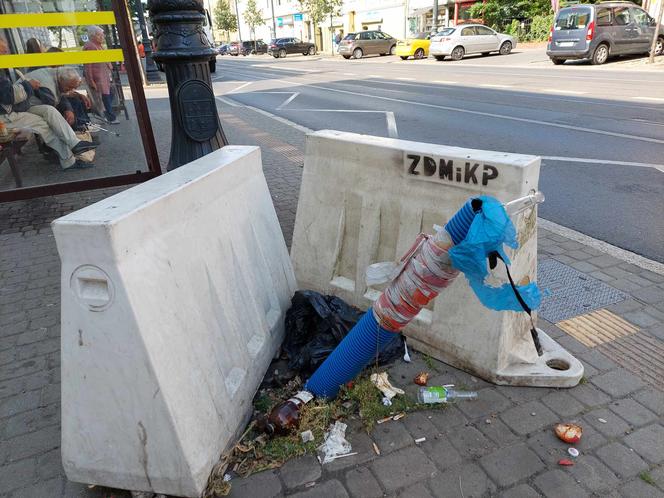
{"points": [[67, 113]]}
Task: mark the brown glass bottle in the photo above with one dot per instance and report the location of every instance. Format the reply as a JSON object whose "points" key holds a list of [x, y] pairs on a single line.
{"points": [[286, 416]]}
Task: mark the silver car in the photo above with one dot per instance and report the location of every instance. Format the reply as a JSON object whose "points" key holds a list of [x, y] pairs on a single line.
{"points": [[469, 39]]}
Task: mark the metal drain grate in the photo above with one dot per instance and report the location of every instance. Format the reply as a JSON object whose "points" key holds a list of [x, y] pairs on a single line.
{"points": [[598, 327], [572, 293], [640, 353]]}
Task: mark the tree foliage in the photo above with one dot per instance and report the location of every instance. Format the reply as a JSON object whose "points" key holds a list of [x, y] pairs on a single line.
{"points": [[318, 10], [224, 18], [499, 13], [253, 16]]}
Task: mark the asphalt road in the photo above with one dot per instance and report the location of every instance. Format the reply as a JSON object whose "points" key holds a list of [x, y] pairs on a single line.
{"points": [[600, 130]]}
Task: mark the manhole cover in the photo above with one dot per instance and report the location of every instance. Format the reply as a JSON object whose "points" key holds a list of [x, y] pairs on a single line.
{"points": [[571, 293], [597, 328]]}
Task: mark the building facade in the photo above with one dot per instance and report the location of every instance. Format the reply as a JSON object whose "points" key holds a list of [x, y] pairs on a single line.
{"points": [[399, 18]]}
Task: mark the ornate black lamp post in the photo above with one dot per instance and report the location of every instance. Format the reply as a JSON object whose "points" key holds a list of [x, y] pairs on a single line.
{"points": [[185, 53], [151, 70]]}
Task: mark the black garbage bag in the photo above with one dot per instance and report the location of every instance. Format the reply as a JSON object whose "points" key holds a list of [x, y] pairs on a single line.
{"points": [[316, 324]]}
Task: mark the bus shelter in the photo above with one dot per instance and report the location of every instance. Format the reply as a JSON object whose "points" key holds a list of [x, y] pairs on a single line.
{"points": [[73, 115]]}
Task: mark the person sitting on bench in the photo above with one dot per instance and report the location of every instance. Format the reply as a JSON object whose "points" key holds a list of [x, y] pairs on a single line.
{"points": [[58, 88], [17, 113]]}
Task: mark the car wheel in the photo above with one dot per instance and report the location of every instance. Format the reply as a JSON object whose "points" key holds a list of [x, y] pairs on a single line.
{"points": [[346, 57], [439, 57], [600, 55], [419, 53], [558, 62], [404, 57], [506, 48], [312, 51], [659, 47], [458, 53], [282, 53], [393, 49], [357, 53]]}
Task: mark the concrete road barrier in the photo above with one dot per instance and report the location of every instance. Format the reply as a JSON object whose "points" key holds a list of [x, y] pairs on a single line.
{"points": [[365, 199], [173, 301]]}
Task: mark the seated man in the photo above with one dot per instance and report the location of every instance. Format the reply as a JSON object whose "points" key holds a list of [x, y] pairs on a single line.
{"points": [[58, 88], [17, 113]]}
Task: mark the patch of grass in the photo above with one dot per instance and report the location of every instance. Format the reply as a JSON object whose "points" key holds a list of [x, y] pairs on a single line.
{"points": [[263, 402], [646, 477], [428, 361], [583, 380], [370, 403]]}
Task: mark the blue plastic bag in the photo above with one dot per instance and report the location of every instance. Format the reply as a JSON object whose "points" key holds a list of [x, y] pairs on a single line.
{"points": [[490, 229]]}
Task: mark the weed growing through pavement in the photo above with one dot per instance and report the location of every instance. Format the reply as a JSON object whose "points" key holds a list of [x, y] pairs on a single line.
{"points": [[646, 477]]}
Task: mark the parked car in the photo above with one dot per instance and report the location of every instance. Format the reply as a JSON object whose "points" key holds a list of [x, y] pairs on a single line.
{"points": [[416, 47], [283, 46], [599, 31], [357, 45], [250, 47], [469, 39], [234, 48], [223, 49]]}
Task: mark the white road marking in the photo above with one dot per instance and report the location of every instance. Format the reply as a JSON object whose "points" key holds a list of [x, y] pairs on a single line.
{"points": [[392, 131], [243, 85], [288, 100], [658, 167], [549, 73], [492, 85], [405, 79], [349, 74], [571, 92], [375, 76], [445, 82], [229, 102], [653, 99], [286, 68], [605, 247], [645, 121], [492, 115]]}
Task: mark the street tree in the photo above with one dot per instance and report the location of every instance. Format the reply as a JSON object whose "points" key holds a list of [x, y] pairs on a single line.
{"points": [[253, 16], [496, 12], [318, 10], [224, 18]]}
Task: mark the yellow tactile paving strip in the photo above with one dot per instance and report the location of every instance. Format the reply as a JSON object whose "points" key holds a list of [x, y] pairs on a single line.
{"points": [[599, 327]]}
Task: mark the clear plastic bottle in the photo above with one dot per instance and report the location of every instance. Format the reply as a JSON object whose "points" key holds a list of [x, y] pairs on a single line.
{"points": [[441, 394]]}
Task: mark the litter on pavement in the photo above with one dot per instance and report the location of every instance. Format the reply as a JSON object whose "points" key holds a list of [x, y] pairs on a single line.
{"points": [[569, 433]]}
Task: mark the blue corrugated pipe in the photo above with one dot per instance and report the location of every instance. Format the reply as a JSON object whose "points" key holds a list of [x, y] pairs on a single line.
{"points": [[367, 338], [358, 348]]}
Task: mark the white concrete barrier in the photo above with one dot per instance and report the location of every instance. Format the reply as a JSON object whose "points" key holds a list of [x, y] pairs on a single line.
{"points": [[364, 199], [173, 299]]}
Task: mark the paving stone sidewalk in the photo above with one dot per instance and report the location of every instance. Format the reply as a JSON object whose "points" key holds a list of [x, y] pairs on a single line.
{"points": [[500, 445]]}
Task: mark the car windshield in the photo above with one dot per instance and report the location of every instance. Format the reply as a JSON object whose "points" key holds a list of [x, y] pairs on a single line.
{"points": [[420, 36], [445, 32], [575, 18]]}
